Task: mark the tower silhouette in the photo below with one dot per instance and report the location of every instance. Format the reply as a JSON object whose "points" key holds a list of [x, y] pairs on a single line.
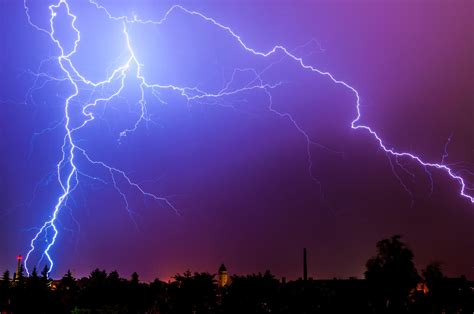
{"points": [[222, 277], [19, 260]]}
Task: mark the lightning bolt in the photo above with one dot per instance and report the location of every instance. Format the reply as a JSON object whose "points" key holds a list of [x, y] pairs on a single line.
{"points": [[68, 170]]}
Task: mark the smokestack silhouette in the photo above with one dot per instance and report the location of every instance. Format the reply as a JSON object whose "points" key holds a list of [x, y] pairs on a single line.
{"points": [[305, 266]]}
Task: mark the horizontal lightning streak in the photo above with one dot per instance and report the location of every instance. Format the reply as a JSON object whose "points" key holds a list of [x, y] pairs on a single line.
{"points": [[354, 124]]}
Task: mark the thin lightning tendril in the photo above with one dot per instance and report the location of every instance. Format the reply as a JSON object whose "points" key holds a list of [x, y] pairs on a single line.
{"points": [[67, 170]]}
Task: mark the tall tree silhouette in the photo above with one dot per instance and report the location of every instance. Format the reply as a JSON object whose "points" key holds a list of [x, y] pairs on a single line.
{"points": [[194, 293], [45, 275], [67, 291], [391, 275]]}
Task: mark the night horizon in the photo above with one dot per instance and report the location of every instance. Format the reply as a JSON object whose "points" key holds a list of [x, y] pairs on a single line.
{"points": [[163, 137]]}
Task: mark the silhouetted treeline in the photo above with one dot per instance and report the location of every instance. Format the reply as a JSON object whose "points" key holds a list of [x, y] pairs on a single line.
{"points": [[391, 285]]}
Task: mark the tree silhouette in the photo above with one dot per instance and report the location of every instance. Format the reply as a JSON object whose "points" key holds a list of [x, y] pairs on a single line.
{"points": [[193, 293], [44, 274], [66, 292], [391, 275], [139, 296], [252, 294], [433, 275], [5, 292], [92, 295], [37, 293], [135, 279]]}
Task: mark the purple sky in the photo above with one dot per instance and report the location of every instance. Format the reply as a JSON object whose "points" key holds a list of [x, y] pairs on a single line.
{"points": [[238, 173]]}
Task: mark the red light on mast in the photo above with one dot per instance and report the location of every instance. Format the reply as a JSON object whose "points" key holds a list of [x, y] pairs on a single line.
{"points": [[19, 257]]}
